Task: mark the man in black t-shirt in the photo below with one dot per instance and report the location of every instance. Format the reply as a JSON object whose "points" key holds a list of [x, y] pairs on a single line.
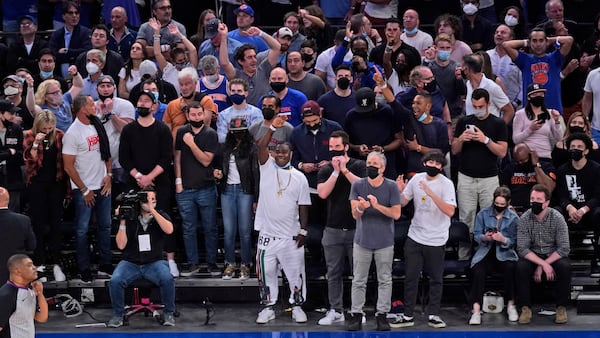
{"points": [[141, 236], [334, 183], [481, 140]]}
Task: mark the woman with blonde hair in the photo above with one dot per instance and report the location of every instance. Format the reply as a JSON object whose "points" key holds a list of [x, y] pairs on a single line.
{"points": [[46, 185]]}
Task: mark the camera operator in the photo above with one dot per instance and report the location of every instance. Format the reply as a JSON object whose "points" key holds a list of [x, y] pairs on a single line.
{"points": [[141, 236]]}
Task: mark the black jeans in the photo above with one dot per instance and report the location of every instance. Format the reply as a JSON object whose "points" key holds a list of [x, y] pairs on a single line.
{"points": [[562, 271], [45, 201], [488, 264]]}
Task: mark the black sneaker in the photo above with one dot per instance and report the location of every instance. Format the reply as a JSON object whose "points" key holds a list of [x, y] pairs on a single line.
{"points": [[595, 269], [86, 277], [190, 270], [105, 271], [382, 322], [213, 270], [436, 321], [354, 321]]}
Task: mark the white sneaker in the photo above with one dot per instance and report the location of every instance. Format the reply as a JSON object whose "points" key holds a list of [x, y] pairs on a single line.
{"points": [[265, 315], [513, 315], [173, 268], [59, 275], [364, 319], [475, 318], [331, 317], [298, 315]]}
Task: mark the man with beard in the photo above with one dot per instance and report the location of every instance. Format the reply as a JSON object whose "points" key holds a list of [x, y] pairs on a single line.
{"points": [[395, 45], [284, 36], [309, 84], [373, 127], [115, 113]]}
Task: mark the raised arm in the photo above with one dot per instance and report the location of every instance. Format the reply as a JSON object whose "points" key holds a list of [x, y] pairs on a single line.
{"points": [[189, 46], [224, 53], [160, 58], [77, 86], [512, 47]]}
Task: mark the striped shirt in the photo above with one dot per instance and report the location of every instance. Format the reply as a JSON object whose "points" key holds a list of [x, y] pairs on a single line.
{"points": [[545, 237]]}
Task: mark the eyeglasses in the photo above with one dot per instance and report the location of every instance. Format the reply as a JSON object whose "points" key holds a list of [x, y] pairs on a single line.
{"points": [[58, 92], [164, 8], [73, 12]]}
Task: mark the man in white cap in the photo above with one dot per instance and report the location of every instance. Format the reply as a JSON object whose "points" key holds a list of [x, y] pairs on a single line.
{"points": [[284, 37], [148, 70]]}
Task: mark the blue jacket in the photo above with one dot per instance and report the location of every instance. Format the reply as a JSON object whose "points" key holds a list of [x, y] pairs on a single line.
{"points": [[486, 219], [366, 79], [311, 148]]}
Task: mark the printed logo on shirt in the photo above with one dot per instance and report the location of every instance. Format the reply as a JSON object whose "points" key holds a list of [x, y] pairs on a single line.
{"points": [[539, 72], [575, 191], [93, 143]]}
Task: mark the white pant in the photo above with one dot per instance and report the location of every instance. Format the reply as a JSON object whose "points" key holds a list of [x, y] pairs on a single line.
{"points": [[275, 251]]}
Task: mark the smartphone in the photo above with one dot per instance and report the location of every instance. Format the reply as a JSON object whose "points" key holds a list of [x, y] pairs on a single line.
{"points": [[543, 117], [492, 230], [471, 128]]}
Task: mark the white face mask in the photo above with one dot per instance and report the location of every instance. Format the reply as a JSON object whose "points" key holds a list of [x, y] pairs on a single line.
{"points": [[212, 78], [92, 68], [470, 9], [479, 113], [511, 21]]}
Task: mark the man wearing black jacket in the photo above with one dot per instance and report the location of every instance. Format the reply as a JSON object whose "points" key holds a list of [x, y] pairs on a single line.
{"points": [[11, 154]]}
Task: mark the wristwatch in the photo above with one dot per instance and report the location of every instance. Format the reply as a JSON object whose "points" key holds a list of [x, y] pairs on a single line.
{"points": [[539, 165], [303, 232]]}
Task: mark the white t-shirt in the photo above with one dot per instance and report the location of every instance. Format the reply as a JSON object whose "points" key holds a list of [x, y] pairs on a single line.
{"points": [[276, 215], [82, 141], [381, 11], [420, 41], [592, 85], [429, 225], [130, 82], [497, 97], [323, 64], [125, 110]]}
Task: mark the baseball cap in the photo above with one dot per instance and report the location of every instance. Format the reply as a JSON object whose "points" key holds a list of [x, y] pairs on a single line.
{"points": [[28, 17], [212, 28], [147, 67], [12, 78], [535, 88], [149, 94], [365, 100], [244, 8], [8, 106], [310, 108], [105, 79], [283, 32], [238, 123]]}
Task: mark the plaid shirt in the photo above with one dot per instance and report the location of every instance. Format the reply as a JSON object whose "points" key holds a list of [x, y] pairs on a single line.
{"points": [[545, 237], [33, 165]]}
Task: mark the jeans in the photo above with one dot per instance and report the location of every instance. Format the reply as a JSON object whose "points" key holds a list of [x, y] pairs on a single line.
{"points": [[383, 263], [236, 207], [83, 214], [423, 258], [191, 203], [126, 273], [337, 245]]}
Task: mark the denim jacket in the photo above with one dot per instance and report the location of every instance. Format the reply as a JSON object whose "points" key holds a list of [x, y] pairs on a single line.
{"points": [[486, 219]]}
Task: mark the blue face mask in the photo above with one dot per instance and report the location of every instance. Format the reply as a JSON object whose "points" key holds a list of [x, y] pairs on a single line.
{"points": [[155, 96], [286, 166], [422, 117], [237, 98], [411, 32], [45, 75], [443, 55]]}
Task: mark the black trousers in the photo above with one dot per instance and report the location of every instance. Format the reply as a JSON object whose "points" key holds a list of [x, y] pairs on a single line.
{"points": [[45, 201], [491, 264], [562, 271]]}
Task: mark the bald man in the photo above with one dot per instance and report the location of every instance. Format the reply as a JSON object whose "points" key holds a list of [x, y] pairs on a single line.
{"points": [[21, 299], [121, 38], [291, 99], [17, 234], [525, 171]]}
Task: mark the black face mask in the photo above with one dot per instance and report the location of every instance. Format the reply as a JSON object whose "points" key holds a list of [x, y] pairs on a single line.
{"points": [[268, 113], [315, 126], [372, 172], [143, 111], [238, 135], [197, 124], [356, 67], [343, 83], [537, 101], [334, 153], [400, 68], [576, 154], [432, 171], [306, 58], [576, 129], [500, 209], [104, 97], [277, 86], [537, 207], [189, 96], [431, 86]]}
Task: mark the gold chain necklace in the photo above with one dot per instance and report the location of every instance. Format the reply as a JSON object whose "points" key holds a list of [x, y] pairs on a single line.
{"points": [[281, 190]]}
